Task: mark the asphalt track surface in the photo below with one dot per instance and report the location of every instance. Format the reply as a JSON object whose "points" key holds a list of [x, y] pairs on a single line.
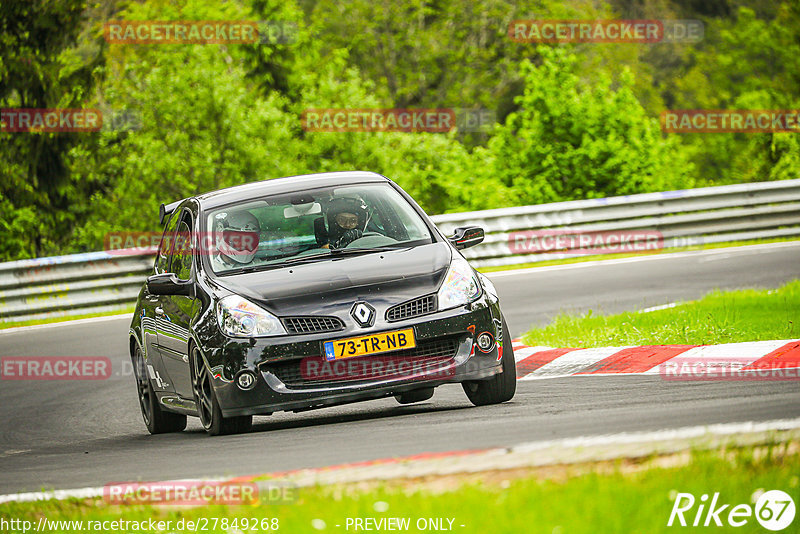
{"points": [[70, 434]]}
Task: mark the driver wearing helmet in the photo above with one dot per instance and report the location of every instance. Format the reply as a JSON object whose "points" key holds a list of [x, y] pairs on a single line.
{"points": [[236, 235], [347, 219]]}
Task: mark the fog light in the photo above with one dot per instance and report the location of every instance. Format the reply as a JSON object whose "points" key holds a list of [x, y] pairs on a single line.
{"points": [[485, 342], [246, 380]]}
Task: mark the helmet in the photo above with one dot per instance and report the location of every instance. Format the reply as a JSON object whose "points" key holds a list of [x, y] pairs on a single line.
{"points": [[348, 216], [237, 235]]}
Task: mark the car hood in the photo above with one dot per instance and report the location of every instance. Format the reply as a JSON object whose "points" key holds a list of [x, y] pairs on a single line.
{"points": [[328, 286]]}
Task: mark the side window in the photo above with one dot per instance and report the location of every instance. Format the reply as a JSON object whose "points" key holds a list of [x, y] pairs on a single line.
{"points": [[162, 259], [182, 252]]}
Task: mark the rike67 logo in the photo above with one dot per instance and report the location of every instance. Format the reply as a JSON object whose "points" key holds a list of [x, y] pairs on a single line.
{"points": [[773, 510]]}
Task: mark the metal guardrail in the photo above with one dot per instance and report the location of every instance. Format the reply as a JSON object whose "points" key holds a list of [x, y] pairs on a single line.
{"points": [[102, 281], [70, 285], [683, 218]]}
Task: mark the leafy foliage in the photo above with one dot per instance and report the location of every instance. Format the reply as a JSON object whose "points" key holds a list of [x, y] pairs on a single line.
{"points": [[574, 121], [572, 140], [42, 65]]}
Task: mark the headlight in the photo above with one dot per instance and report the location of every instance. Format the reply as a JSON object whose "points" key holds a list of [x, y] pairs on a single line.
{"points": [[237, 316], [460, 286]]}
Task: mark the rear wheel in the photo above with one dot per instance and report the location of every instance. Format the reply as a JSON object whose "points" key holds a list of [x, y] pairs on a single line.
{"points": [[501, 387], [418, 395], [157, 420], [207, 405]]}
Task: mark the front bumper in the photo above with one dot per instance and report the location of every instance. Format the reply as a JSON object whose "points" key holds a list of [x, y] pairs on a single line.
{"points": [[446, 353]]}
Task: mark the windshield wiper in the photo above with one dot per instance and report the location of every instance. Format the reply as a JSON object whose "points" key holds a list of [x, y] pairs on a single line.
{"points": [[303, 259], [334, 253], [279, 265], [243, 270], [364, 250]]}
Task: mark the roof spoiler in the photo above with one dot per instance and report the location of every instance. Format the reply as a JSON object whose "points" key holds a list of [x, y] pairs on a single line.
{"points": [[166, 209]]}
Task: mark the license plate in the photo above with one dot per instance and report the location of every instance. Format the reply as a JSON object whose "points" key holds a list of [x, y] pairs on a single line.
{"points": [[371, 344]]}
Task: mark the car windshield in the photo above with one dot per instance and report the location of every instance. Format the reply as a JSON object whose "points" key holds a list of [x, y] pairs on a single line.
{"points": [[311, 226]]}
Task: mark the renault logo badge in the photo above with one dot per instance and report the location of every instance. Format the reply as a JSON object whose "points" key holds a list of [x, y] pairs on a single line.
{"points": [[363, 313]]}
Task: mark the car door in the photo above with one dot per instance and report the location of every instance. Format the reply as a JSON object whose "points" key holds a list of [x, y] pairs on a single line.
{"points": [[176, 312]]}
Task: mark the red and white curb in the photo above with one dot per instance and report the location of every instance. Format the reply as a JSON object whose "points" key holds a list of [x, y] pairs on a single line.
{"points": [[548, 362]]}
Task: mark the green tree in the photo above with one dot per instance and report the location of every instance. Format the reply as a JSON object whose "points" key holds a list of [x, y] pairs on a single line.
{"points": [[42, 65], [203, 124], [572, 140], [747, 63]]}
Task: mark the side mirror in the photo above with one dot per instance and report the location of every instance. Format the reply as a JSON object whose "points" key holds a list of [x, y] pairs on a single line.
{"points": [[466, 236], [168, 284]]}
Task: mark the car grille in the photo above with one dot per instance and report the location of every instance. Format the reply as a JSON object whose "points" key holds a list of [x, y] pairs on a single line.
{"points": [[412, 308], [310, 325], [426, 357]]}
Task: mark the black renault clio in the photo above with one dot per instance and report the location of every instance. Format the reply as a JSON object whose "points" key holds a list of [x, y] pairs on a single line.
{"points": [[310, 291]]}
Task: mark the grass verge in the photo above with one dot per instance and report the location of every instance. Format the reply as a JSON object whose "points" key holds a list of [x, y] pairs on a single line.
{"points": [[719, 317], [622, 496]]}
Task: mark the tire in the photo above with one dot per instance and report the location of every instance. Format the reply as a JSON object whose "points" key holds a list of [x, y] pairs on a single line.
{"points": [[156, 419], [501, 387], [418, 395], [207, 405]]}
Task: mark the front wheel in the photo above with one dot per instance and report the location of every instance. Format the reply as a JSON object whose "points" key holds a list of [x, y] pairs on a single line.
{"points": [[158, 421], [501, 387], [207, 405]]}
